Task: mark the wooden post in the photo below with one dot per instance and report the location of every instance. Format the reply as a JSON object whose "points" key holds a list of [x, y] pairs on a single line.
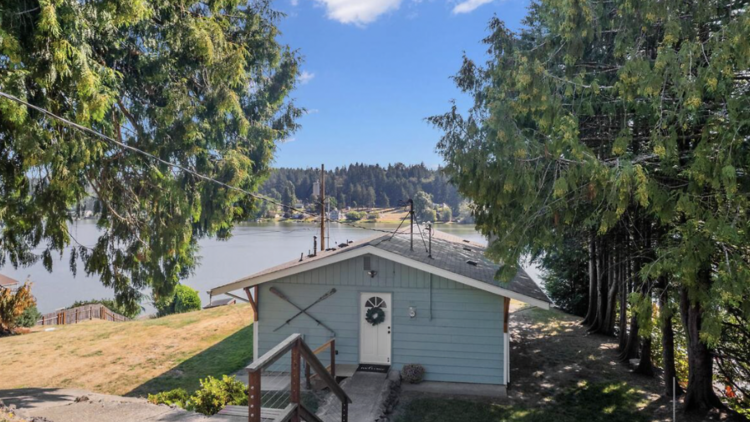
{"points": [[295, 387], [253, 301], [253, 396], [333, 358]]}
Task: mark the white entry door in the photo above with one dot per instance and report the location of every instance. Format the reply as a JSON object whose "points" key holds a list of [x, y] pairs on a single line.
{"points": [[375, 340]]}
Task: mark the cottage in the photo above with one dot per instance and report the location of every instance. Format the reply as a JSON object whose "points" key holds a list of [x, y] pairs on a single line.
{"points": [[8, 283], [334, 215], [388, 301]]}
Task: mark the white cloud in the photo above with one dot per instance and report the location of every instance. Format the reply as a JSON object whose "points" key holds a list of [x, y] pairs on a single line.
{"points": [[305, 77], [358, 12], [469, 6], [294, 2]]}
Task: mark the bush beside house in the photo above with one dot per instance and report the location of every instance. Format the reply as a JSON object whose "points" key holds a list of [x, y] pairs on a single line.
{"points": [[29, 317], [12, 306], [185, 299], [213, 396]]}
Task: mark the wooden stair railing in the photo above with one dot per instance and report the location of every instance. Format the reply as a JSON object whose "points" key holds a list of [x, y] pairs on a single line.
{"points": [[330, 344], [296, 410]]}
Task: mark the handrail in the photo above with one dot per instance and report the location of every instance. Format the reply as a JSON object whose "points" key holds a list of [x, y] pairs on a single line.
{"points": [[274, 354], [299, 350], [324, 346], [311, 359], [330, 344]]}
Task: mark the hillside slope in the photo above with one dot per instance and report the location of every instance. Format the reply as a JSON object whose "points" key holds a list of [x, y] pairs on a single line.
{"points": [[131, 358]]}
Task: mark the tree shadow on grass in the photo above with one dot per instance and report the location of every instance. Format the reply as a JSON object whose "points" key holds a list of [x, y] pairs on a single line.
{"points": [[224, 358], [601, 402]]}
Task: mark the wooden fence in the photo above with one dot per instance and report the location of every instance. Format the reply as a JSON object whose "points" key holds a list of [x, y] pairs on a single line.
{"points": [[80, 314]]}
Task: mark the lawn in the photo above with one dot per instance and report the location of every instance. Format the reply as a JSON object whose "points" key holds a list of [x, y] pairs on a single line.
{"points": [[131, 358], [603, 402]]}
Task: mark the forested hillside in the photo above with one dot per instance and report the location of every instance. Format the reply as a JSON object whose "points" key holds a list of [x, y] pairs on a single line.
{"points": [[363, 185]]}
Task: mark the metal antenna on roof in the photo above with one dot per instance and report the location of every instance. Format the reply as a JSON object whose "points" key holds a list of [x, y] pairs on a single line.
{"points": [[402, 203], [422, 236], [429, 229], [411, 226]]}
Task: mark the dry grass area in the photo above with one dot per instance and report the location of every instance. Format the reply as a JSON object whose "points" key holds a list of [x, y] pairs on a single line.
{"points": [[135, 357]]}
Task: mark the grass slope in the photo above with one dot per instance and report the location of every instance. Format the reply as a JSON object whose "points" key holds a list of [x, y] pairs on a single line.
{"points": [[131, 358]]}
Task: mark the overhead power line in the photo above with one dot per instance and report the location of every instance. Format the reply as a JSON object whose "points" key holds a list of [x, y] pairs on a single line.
{"points": [[144, 153], [94, 133]]}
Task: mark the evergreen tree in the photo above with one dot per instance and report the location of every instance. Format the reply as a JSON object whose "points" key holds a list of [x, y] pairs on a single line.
{"points": [[628, 122], [200, 84]]}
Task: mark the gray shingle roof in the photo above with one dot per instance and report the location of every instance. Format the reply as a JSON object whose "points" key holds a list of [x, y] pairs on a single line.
{"points": [[449, 253]]}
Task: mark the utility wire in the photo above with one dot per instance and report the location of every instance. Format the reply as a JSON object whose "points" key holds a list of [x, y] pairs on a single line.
{"points": [[169, 163], [144, 153]]}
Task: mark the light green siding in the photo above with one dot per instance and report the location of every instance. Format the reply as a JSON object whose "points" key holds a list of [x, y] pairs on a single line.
{"points": [[462, 342]]}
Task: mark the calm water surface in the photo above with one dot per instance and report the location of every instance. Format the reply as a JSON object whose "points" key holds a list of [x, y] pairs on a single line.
{"points": [[252, 248]]}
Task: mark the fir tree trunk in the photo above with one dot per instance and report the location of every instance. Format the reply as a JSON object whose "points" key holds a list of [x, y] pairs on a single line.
{"points": [[667, 343], [608, 327], [700, 394], [633, 342], [591, 312], [601, 288], [624, 280], [646, 364]]}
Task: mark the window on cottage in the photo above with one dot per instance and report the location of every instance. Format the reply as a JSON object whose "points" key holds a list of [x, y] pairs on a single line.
{"points": [[375, 302]]}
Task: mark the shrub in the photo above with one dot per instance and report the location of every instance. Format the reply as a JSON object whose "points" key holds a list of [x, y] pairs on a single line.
{"points": [[215, 393], [12, 305], [413, 373], [213, 396], [184, 299], [177, 397], [29, 317], [354, 215], [373, 216]]}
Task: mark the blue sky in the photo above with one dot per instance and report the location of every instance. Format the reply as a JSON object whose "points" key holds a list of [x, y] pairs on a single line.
{"points": [[375, 69]]}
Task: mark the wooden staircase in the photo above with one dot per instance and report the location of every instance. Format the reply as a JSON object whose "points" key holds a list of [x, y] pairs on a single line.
{"points": [[295, 411]]}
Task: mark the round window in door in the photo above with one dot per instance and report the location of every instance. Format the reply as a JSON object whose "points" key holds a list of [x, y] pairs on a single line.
{"points": [[375, 310]]}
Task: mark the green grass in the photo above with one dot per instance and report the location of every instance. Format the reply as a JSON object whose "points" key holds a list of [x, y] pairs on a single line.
{"points": [[604, 402], [226, 357]]}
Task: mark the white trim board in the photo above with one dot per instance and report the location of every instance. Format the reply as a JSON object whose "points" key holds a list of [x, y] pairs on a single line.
{"points": [[371, 250]]}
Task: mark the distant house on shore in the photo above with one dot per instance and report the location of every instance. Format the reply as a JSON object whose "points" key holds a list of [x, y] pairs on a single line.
{"points": [[8, 283], [215, 303], [334, 215], [388, 303]]}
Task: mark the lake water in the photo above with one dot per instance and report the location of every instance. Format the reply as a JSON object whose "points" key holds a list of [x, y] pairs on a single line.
{"points": [[252, 248]]}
